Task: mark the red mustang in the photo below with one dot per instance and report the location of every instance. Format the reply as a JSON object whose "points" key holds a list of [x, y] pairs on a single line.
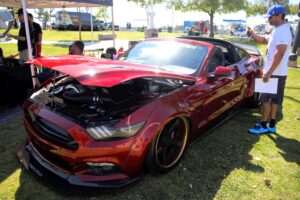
{"points": [[100, 123]]}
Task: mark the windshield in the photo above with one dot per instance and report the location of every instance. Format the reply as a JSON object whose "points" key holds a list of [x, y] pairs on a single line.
{"points": [[172, 56]]}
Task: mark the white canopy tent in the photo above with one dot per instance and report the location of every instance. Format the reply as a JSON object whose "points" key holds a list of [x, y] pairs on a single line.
{"points": [[56, 3], [52, 4]]}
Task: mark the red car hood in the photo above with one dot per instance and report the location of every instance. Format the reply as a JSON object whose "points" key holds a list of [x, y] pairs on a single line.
{"points": [[101, 72]]}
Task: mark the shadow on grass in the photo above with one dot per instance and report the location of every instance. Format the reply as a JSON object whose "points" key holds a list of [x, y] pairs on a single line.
{"points": [[198, 176], [11, 134], [290, 147], [292, 99]]}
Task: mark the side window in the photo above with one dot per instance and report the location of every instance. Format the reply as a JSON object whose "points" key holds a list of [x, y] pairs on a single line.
{"points": [[227, 58], [216, 60], [241, 54], [212, 65]]}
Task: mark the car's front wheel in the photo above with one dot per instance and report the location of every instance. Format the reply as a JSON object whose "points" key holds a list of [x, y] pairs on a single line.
{"points": [[168, 146]]}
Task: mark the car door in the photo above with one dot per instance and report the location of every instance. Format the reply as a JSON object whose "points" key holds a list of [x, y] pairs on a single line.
{"points": [[213, 95], [223, 92], [237, 85]]}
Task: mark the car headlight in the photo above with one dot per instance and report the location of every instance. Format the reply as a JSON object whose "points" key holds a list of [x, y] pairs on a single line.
{"points": [[107, 131]]}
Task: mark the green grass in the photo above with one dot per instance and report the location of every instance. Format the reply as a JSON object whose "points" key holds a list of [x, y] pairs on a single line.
{"points": [[48, 50], [227, 164], [55, 35]]}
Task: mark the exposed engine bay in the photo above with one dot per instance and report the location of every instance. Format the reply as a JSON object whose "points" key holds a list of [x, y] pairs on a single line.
{"points": [[86, 104]]}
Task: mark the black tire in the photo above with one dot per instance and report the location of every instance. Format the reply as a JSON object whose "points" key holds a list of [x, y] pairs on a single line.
{"points": [[254, 100], [168, 146]]}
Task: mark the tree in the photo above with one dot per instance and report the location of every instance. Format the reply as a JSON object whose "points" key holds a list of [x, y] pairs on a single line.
{"points": [[146, 4], [293, 9], [211, 7], [260, 7], [102, 13], [44, 15]]}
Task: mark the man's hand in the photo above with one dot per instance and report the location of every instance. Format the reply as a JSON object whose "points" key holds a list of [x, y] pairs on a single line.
{"points": [[266, 77]]}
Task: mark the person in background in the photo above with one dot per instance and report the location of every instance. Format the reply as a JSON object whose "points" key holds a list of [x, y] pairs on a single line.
{"points": [[276, 66], [76, 48], [37, 36], [202, 25], [22, 43]]}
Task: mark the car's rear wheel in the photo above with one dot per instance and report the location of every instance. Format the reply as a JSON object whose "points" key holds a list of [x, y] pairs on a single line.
{"points": [[168, 146]]}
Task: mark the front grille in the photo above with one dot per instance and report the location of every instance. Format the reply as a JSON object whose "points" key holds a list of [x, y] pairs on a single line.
{"points": [[51, 132], [45, 151]]}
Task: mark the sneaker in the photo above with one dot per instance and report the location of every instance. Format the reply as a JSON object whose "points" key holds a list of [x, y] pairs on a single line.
{"points": [[271, 129], [258, 129]]}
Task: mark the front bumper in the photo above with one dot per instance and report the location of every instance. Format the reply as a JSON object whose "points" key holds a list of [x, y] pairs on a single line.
{"points": [[34, 162]]}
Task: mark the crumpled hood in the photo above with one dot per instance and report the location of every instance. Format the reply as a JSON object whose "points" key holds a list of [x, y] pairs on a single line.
{"points": [[101, 72]]}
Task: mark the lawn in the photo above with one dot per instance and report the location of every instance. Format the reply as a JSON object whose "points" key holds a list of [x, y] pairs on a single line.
{"points": [[54, 35], [48, 50], [227, 164]]}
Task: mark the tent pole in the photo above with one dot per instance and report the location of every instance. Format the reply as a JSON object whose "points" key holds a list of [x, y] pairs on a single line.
{"points": [[92, 26], [79, 17], [113, 24], [28, 40]]}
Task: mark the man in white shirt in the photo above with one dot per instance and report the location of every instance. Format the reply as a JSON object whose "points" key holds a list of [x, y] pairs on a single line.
{"points": [[276, 66]]}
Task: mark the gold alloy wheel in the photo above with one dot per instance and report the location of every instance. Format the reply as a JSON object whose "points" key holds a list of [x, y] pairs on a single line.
{"points": [[171, 142]]}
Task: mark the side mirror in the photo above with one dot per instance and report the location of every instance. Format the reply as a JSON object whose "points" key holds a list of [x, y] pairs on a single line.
{"points": [[222, 71]]}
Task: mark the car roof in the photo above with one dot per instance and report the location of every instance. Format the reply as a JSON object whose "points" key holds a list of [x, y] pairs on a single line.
{"points": [[249, 48], [213, 41]]}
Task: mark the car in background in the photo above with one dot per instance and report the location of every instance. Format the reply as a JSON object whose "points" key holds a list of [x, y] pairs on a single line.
{"points": [[100, 24], [108, 26], [100, 123]]}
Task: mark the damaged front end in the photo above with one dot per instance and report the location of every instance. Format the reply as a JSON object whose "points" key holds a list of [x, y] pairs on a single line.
{"points": [[91, 105], [84, 155]]}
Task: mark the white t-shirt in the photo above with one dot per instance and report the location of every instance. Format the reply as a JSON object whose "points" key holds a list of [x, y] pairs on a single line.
{"points": [[280, 35]]}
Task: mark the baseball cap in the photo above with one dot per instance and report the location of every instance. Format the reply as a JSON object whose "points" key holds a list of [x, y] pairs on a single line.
{"points": [[20, 11], [275, 10]]}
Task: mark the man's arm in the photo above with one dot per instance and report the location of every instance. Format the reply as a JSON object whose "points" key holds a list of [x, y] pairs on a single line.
{"points": [[255, 37], [40, 38], [259, 38], [279, 53], [21, 38]]}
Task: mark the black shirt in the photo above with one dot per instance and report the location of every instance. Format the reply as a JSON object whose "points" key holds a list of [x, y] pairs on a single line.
{"points": [[22, 45], [36, 31]]}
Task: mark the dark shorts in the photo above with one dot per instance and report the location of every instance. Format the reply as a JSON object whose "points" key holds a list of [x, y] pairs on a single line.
{"points": [[275, 98]]}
